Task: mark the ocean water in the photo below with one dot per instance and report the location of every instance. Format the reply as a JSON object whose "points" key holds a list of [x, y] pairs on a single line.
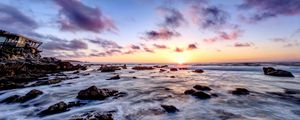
{"points": [[152, 88]]}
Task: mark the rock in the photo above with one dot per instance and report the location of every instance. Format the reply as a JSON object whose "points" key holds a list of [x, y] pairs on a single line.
{"points": [[201, 87], [114, 77], [278, 73], [172, 77], [56, 108], [7, 85], [48, 82], [162, 70], [173, 69], [201, 95], [74, 104], [124, 66], [134, 77], [183, 68], [143, 68], [240, 91], [169, 108], [198, 71], [76, 72], [104, 116], [30, 95], [189, 92], [105, 68], [11, 99], [94, 116], [93, 93]]}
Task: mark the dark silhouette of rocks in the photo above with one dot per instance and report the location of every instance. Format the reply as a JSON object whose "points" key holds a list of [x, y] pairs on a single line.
{"points": [[277, 72], [201, 95], [189, 92], [143, 68], [29, 96], [56, 108], [198, 71], [116, 77], [169, 108], [201, 87], [240, 91], [93, 93], [173, 69]]}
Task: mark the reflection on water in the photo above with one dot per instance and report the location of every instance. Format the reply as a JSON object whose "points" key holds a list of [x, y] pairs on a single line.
{"points": [[152, 88]]}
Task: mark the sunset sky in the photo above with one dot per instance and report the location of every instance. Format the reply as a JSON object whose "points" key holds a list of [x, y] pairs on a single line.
{"points": [[159, 31]]}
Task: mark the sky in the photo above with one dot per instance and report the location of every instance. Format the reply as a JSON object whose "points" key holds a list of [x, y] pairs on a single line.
{"points": [[159, 31]]}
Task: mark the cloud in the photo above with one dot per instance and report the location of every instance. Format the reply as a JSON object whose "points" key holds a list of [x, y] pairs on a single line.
{"points": [[192, 47], [265, 9], [106, 53], [178, 50], [135, 47], [161, 34], [172, 17], [160, 46], [105, 43], [75, 16], [67, 46], [229, 35], [208, 17], [149, 50], [243, 44], [279, 40], [13, 20]]}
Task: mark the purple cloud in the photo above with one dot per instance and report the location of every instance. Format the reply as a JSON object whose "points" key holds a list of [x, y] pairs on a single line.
{"points": [[243, 44], [172, 17], [105, 43], [161, 34], [13, 20], [75, 16], [234, 34], [135, 47], [265, 9], [192, 46], [67, 46], [160, 46], [178, 50]]}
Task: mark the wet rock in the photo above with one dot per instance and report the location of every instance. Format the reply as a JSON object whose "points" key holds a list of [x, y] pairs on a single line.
{"points": [[189, 92], [291, 91], [93, 93], [48, 82], [201, 95], [116, 77], [56, 108], [75, 104], [143, 68], [198, 71], [173, 69], [76, 72], [124, 66], [278, 73], [183, 68], [94, 116], [169, 108], [131, 72], [134, 77], [11, 99], [240, 91], [172, 76], [7, 85], [30, 95], [162, 70], [162, 66], [105, 68], [201, 87]]}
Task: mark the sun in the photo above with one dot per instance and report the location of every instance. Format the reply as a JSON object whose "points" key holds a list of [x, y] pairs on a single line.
{"points": [[180, 60]]}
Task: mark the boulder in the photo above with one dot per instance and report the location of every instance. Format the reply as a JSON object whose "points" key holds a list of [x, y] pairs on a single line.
{"points": [[240, 91], [201, 87], [11, 99], [201, 95], [105, 68], [143, 68], [169, 108], [56, 108], [172, 76], [277, 72], [93, 93], [116, 77], [93, 116], [173, 69], [162, 70], [30, 95], [48, 82], [198, 71], [74, 104], [6, 85], [189, 92]]}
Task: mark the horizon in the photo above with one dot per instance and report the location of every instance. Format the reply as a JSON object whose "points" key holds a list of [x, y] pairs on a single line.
{"points": [[159, 31]]}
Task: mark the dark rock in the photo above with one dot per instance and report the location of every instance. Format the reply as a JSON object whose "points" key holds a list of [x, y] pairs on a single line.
{"points": [[173, 69], [169, 108], [214, 95], [114, 77], [198, 71], [7, 85], [56, 108], [291, 91], [105, 68], [75, 104], [104, 116], [30, 95], [76, 72], [134, 77], [48, 82], [188, 92], [162, 70], [124, 66], [11, 99], [93, 93], [94, 116], [240, 91], [278, 73], [143, 68], [172, 77], [201, 95], [201, 87], [183, 68]]}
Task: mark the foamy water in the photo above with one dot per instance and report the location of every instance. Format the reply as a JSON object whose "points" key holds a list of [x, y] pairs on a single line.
{"points": [[151, 89]]}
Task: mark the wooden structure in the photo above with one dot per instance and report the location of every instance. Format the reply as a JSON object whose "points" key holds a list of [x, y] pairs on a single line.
{"points": [[18, 41]]}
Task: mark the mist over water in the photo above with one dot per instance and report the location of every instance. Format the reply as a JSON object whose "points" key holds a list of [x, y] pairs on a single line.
{"points": [[151, 88]]}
